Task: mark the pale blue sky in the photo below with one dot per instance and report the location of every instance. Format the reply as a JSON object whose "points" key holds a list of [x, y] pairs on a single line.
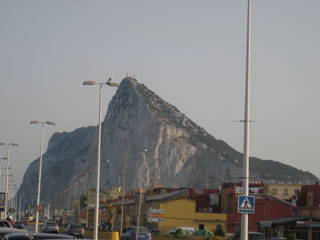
{"points": [[191, 53]]}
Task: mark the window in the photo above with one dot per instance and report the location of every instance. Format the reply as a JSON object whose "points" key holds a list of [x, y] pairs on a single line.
{"points": [[274, 191], [285, 192]]}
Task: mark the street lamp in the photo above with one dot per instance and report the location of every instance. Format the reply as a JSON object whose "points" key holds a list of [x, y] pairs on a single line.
{"points": [[96, 216], [123, 184], [246, 121], [3, 158], [40, 166], [7, 172]]}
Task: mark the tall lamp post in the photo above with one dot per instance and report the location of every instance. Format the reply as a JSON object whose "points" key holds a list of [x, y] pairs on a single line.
{"points": [[7, 177], [123, 191], [3, 158], [96, 215], [246, 121], [40, 166]]}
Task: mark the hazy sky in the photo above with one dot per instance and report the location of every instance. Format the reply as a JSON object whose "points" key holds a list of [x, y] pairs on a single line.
{"points": [[191, 53]]}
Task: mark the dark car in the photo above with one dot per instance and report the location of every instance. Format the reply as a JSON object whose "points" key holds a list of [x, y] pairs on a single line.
{"points": [[130, 234], [19, 225], [5, 230], [35, 236], [5, 223], [105, 226], [75, 229], [50, 227]]}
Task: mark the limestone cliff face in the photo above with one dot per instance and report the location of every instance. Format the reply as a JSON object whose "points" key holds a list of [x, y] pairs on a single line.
{"points": [[157, 143]]}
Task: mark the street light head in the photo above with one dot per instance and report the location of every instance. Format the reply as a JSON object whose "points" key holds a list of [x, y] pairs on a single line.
{"points": [[34, 122], [14, 144], [111, 83], [51, 123], [4, 158], [89, 83]]}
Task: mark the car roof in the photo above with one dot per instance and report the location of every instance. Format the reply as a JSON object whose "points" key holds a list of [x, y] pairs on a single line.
{"points": [[20, 236], [6, 230], [51, 236]]}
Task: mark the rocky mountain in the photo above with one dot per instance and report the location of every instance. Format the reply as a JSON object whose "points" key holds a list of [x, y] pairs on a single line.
{"points": [[157, 143]]}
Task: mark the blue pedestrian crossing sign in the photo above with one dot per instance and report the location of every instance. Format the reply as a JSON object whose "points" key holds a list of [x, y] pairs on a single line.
{"points": [[245, 204]]}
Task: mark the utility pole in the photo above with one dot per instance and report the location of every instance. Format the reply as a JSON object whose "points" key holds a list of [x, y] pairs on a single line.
{"points": [[139, 210], [122, 198], [88, 190], [245, 181]]}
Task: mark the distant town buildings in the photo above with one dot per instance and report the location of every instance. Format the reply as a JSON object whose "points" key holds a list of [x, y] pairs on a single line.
{"points": [[280, 209]]}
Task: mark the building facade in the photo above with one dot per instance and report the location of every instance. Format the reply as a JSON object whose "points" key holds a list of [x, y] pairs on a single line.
{"points": [[283, 191]]}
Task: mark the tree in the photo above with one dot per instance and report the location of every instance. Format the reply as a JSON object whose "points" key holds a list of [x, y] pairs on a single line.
{"points": [[219, 231]]}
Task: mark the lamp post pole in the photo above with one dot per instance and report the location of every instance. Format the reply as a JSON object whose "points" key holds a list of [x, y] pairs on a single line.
{"points": [[122, 198], [7, 175], [123, 185], [1, 166], [20, 207], [88, 189], [96, 212], [3, 158], [40, 167], [245, 181]]}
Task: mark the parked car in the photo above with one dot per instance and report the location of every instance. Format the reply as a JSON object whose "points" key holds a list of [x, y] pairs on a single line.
{"points": [[105, 226], [35, 236], [185, 230], [5, 230], [130, 234], [50, 227], [75, 229], [19, 225], [5, 223]]}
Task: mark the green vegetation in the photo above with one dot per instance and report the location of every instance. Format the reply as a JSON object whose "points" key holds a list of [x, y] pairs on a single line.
{"points": [[219, 232]]}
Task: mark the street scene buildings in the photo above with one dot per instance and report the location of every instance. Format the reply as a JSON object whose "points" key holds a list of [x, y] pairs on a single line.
{"points": [[280, 209]]}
